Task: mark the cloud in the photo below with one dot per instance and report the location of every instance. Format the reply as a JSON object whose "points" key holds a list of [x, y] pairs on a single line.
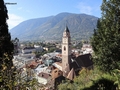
{"points": [[84, 8], [20, 8], [14, 20], [28, 11]]}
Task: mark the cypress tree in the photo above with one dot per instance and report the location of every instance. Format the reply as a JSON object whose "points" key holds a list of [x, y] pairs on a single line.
{"points": [[106, 37], [6, 51], [9, 76]]}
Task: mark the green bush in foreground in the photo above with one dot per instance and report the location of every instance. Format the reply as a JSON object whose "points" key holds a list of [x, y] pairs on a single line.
{"points": [[93, 80]]}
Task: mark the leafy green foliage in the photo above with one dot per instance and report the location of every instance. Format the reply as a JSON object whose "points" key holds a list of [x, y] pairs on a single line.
{"points": [[21, 83], [102, 84], [6, 51], [116, 74], [106, 38], [92, 80], [9, 78], [67, 85], [6, 46]]}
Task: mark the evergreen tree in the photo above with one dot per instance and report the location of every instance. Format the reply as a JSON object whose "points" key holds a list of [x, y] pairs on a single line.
{"points": [[6, 51], [10, 78], [106, 37]]}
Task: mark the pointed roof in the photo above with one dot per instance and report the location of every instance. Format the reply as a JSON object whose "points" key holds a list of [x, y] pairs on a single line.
{"points": [[67, 69], [71, 74], [66, 29]]}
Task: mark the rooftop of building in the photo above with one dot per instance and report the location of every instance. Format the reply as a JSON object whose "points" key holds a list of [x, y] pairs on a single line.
{"points": [[44, 75]]}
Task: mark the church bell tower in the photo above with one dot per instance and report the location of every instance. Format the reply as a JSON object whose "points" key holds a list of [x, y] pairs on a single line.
{"points": [[66, 51]]}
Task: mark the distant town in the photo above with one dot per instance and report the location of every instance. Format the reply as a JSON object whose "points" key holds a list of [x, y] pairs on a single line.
{"points": [[51, 62]]}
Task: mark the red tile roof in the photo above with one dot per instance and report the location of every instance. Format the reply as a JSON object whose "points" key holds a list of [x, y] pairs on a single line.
{"points": [[44, 75], [33, 64], [56, 73]]}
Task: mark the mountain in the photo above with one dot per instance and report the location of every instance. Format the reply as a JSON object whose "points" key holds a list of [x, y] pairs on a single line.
{"points": [[81, 26]]}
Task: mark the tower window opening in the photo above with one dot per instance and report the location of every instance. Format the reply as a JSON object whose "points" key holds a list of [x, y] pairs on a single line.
{"points": [[64, 48]]}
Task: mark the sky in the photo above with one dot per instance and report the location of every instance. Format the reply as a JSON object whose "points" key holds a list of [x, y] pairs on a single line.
{"points": [[30, 9]]}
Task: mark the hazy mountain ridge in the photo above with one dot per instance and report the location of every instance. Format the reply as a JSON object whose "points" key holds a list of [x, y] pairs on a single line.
{"points": [[48, 28]]}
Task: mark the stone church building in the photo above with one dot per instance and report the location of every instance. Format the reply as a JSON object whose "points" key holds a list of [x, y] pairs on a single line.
{"points": [[71, 66]]}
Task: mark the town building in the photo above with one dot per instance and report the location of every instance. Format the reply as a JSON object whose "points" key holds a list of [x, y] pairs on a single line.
{"points": [[71, 65], [86, 48], [54, 67]]}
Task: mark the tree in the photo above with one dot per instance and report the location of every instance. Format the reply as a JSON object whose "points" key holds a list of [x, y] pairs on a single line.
{"points": [[10, 79], [6, 51], [106, 37], [16, 45]]}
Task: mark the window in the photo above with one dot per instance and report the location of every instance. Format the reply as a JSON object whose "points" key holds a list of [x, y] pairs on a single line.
{"points": [[64, 48]]}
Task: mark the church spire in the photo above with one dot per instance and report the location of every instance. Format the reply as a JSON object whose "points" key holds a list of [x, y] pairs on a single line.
{"points": [[66, 29], [66, 32], [66, 51]]}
